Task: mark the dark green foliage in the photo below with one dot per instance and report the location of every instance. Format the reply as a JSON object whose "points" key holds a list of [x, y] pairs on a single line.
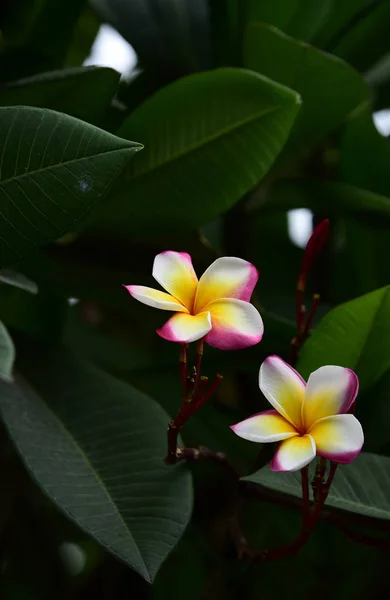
{"points": [[243, 110]]}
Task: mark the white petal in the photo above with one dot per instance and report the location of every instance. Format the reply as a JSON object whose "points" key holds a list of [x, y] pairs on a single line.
{"points": [[175, 273], [339, 437], [294, 454], [227, 277], [283, 387], [330, 391], [267, 426], [155, 298]]}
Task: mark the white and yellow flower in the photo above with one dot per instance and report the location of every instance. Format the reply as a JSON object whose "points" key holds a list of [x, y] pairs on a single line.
{"points": [[308, 419], [216, 306]]}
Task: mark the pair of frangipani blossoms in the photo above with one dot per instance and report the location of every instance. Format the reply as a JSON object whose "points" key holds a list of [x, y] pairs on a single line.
{"points": [[308, 419]]}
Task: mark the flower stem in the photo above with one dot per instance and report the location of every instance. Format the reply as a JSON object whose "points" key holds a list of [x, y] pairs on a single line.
{"points": [[305, 494], [194, 395], [184, 369], [198, 362]]}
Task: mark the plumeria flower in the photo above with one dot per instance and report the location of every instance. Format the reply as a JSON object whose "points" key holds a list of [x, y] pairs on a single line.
{"points": [[216, 306], [309, 419]]}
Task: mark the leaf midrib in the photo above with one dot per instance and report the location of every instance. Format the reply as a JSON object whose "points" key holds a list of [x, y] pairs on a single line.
{"points": [[67, 162], [94, 472], [205, 141]]}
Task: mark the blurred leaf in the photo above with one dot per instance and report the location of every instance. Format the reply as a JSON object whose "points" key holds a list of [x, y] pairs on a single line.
{"points": [[278, 270], [84, 35], [18, 280], [361, 487], [358, 263], [355, 335], [373, 411], [7, 354], [166, 34], [327, 550], [365, 155], [367, 40], [209, 138], [44, 45], [327, 84], [329, 198], [53, 170], [43, 315], [188, 562], [84, 92], [95, 446], [299, 18], [343, 16]]}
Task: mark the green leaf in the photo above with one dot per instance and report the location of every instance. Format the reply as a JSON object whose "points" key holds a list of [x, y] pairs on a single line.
{"points": [[84, 92], [364, 160], [7, 354], [47, 30], [365, 155], [299, 18], [18, 280], [53, 170], [368, 39], [355, 335], [343, 16], [328, 86], [209, 139], [95, 446], [361, 487], [165, 35], [329, 198]]}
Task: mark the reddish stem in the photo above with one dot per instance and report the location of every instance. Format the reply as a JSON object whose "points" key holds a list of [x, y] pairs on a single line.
{"points": [[314, 306], [209, 393], [299, 308], [183, 369], [307, 528], [313, 248], [198, 362]]}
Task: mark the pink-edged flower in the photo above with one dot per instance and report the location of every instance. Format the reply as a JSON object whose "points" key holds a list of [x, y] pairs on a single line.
{"points": [[217, 306], [309, 419]]}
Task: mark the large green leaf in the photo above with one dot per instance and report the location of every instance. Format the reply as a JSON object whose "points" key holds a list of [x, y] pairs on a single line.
{"points": [[329, 198], [7, 354], [95, 445], [355, 335], [328, 86], [362, 487], [84, 92], [53, 170], [209, 139]]}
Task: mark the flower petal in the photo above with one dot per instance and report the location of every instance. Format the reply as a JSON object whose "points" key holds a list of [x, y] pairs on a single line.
{"points": [[185, 328], [175, 273], [283, 387], [227, 277], [236, 324], [155, 298], [267, 426], [330, 391], [294, 454], [339, 437]]}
